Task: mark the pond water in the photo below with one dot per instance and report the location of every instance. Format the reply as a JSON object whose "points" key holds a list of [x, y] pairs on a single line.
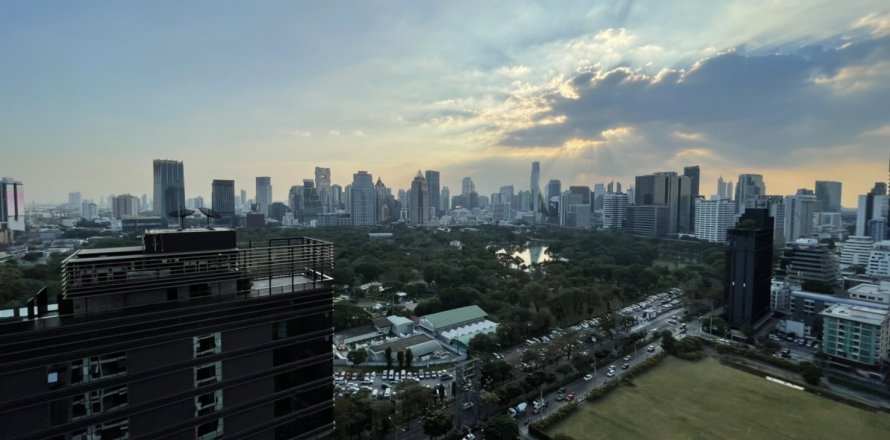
{"points": [[532, 253]]}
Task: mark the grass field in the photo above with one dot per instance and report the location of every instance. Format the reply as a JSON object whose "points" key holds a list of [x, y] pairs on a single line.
{"points": [[706, 400]]}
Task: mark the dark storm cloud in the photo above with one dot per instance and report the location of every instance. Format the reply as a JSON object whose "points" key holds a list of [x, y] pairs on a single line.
{"points": [[764, 103]]}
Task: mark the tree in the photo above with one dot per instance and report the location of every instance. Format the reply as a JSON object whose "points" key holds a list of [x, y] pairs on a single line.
{"points": [[482, 342], [811, 373], [441, 391], [388, 353], [501, 427], [437, 423], [409, 356], [400, 356], [667, 341], [357, 357]]}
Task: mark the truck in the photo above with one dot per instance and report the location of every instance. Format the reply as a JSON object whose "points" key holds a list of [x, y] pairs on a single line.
{"points": [[519, 410]]}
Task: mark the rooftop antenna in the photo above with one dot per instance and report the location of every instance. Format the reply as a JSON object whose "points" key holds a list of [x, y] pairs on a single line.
{"points": [[210, 215], [181, 213]]}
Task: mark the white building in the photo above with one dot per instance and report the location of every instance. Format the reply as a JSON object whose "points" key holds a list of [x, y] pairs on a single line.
{"points": [[856, 251], [879, 260], [799, 212], [780, 294], [879, 293], [713, 218], [614, 210]]}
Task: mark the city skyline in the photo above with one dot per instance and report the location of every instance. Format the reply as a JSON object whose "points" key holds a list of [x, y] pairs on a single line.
{"points": [[595, 93]]}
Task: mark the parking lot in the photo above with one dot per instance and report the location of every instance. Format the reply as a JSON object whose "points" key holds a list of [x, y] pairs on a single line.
{"points": [[377, 382]]}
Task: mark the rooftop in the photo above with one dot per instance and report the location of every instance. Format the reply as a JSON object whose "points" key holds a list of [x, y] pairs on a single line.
{"points": [[866, 315], [404, 343], [455, 316], [838, 299]]}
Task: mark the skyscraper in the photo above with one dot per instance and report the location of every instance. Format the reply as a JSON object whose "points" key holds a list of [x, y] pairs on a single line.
{"points": [[419, 201], [467, 186], [244, 201], [670, 190], [336, 197], [323, 186], [614, 210], [444, 199], [829, 196], [799, 211], [214, 341], [432, 182], [169, 187], [749, 187], [222, 200], [599, 190], [694, 174], [12, 204], [535, 185], [721, 187], [380, 189], [713, 219], [73, 200], [363, 200], [263, 194], [749, 264]]}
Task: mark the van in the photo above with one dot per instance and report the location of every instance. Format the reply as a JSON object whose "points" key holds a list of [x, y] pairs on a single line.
{"points": [[387, 393], [375, 395]]}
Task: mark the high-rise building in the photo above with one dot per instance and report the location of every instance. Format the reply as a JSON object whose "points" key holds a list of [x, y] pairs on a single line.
{"points": [[88, 210], [363, 200], [670, 190], [445, 199], [799, 211], [336, 197], [554, 189], [879, 260], [124, 205], [432, 182], [144, 206], [856, 335], [721, 188], [263, 194], [614, 211], [207, 340], [648, 220], [535, 186], [573, 211], [617, 187], [749, 264], [12, 204], [694, 175], [244, 205], [713, 218], [828, 195], [467, 186], [599, 190], [380, 189], [749, 187], [74, 200], [323, 187], [583, 192], [169, 187], [222, 200]]}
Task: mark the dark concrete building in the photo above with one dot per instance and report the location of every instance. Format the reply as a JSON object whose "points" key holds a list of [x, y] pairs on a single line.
{"points": [[223, 201], [186, 337], [169, 187], [749, 264]]}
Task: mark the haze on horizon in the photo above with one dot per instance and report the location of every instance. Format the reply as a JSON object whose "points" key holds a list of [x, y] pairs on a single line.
{"points": [[93, 91]]}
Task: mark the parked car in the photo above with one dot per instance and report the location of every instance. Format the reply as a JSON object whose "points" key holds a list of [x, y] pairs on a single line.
{"points": [[650, 349], [570, 397], [588, 377], [627, 358], [625, 366]]}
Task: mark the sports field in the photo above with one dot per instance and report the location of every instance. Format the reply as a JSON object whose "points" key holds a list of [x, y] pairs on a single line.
{"points": [[706, 400]]}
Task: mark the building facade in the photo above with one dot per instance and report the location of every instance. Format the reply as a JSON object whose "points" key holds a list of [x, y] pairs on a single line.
{"points": [[614, 211], [263, 194], [856, 335], [713, 218], [190, 337], [169, 187], [828, 194], [363, 200], [124, 205], [749, 265], [222, 199]]}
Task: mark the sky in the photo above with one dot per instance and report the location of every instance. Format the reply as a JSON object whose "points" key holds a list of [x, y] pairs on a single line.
{"points": [[595, 91]]}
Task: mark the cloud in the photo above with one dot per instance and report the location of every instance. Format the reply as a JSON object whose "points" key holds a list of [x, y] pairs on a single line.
{"points": [[333, 132], [358, 133], [877, 22], [302, 134]]}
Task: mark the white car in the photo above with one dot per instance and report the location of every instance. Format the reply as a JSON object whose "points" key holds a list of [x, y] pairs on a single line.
{"points": [[470, 436], [611, 373], [588, 377]]}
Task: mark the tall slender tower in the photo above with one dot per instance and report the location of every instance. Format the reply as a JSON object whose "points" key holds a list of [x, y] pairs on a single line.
{"points": [[169, 186], [535, 187]]}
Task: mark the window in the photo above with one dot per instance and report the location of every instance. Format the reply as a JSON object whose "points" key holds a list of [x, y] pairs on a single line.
{"points": [[210, 430], [208, 403], [199, 290], [207, 345], [115, 430], [208, 374], [56, 376], [98, 402]]}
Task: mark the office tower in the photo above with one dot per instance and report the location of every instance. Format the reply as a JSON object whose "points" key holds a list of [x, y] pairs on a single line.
{"points": [[877, 229], [670, 190], [380, 190], [169, 187], [222, 200], [879, 260], [144, 205], [583, 192], [573, 211], [776, 207], [829, 196], [807, 262], [482, 202], [856, 251], [467, 186], [749, 187], [124, 205], [610, 188], [599, 190], [445, 199], [721, 187], [432, 182], [614, 210], [244, 205], [88, 210], [263, 194], [506, 194], [713, 218], [336, 197], [730, 193], [12, 204], [535, 187], [308, 203], [73, 200], [403, 197], [323, 187], [189, 336], [694, 174], [108, 202], [363, 200], [631, 194], [618, 187], [199, 202], [295, 199], [554, 188], [647, 220], [799, 211], [749, 265], [880, 189]]}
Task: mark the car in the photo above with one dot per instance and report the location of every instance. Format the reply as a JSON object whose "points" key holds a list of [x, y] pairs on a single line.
{"points": [[570, 397], [560, 397], [611, 373], [650, 349], [588, 377], [625, 366], [470, 436], [627, 358], [467, 405], [585, 353]]}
